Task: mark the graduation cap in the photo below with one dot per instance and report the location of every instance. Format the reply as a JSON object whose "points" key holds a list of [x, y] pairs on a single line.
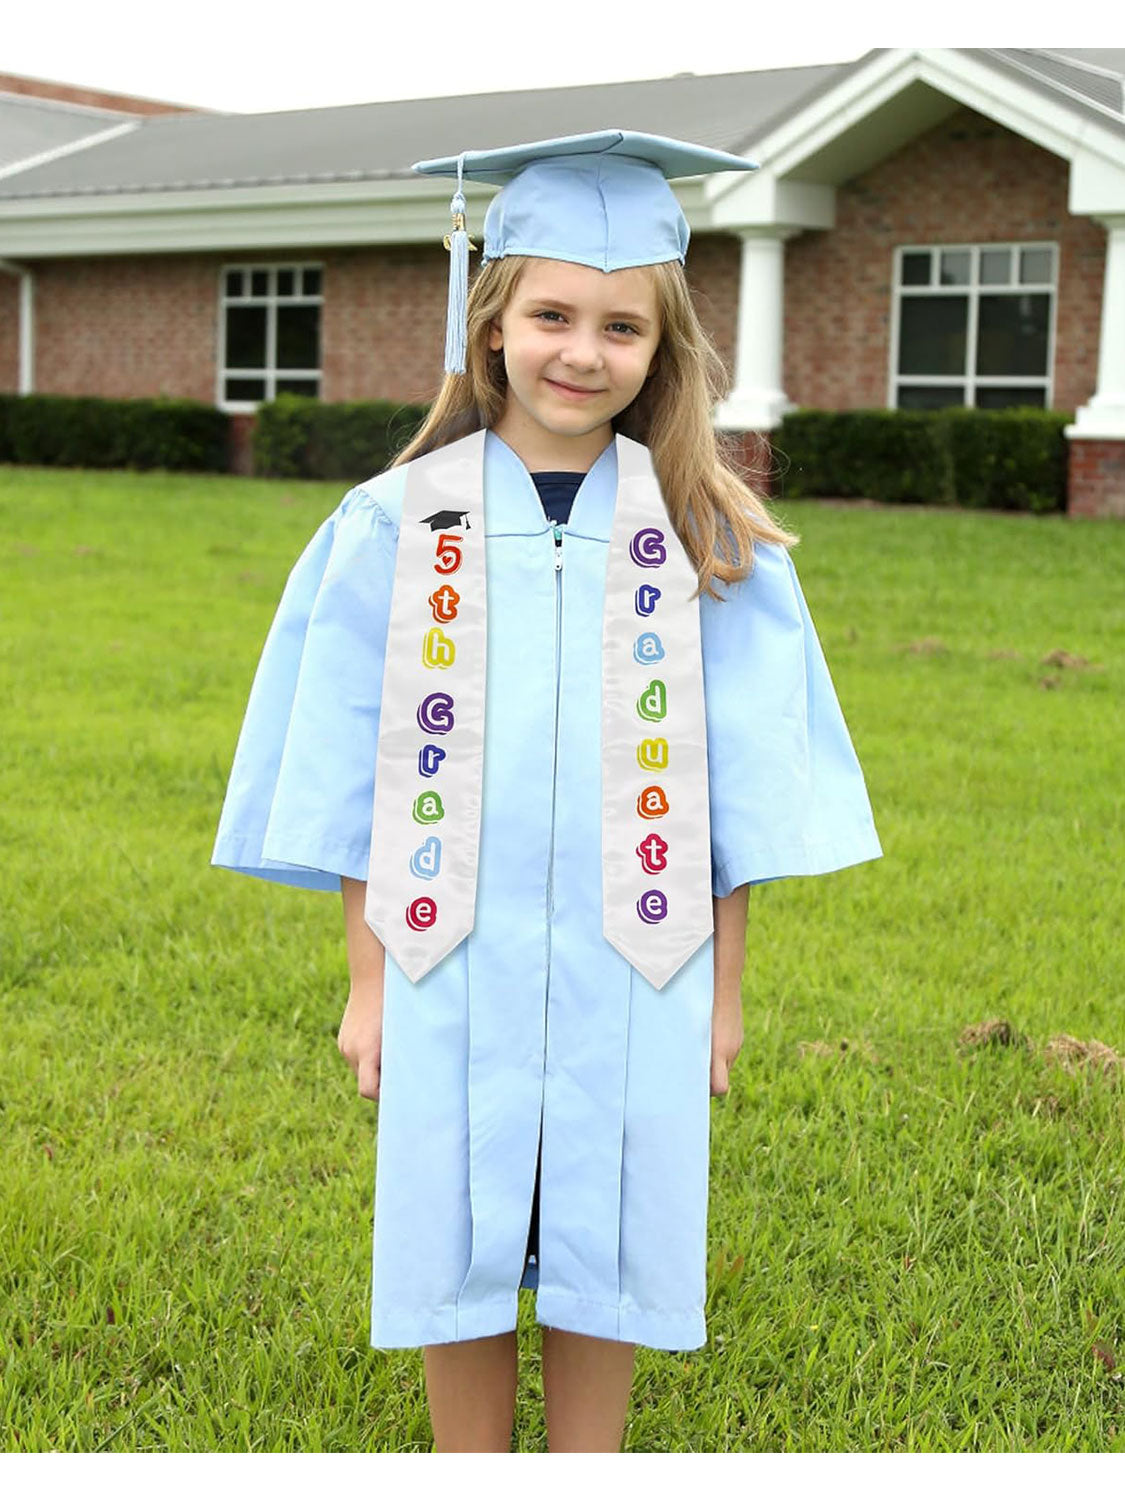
{"points": [[600, 200], [441, 520]]}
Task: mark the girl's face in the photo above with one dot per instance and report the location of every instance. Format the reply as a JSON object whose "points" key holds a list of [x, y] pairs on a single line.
{"points": [[578, 344]]}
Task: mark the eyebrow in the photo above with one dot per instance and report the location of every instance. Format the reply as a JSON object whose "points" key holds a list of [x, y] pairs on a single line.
{"points": [[634, 317]]}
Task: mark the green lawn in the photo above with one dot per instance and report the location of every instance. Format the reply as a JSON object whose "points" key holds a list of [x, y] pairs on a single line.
{"points": [[917, 1243]]}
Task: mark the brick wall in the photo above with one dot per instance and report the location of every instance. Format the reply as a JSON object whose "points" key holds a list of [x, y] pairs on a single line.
{"points": [[148, 325], [1096, 478], [968, 180]]}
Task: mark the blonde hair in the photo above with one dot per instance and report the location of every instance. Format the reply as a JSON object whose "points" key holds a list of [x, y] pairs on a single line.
{"points": [[716, 514]]}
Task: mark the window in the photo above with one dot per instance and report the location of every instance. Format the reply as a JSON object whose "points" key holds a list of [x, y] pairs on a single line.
{"points": [[269, 333], [974, 326]]}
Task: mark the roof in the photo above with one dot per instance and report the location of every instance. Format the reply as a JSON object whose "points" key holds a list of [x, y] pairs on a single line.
{"points": [[368, 142], [30, 127]]}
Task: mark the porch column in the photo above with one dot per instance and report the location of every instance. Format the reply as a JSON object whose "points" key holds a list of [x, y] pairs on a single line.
{"points": [[27, 324], [757, 401]]}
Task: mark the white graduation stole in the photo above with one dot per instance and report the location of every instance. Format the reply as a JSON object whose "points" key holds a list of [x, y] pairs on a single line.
{"points": [[656, 856]]}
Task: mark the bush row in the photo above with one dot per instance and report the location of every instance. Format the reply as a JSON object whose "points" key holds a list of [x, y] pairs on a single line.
{"points": [[299, 437], [1015, 459], [90, 432]]}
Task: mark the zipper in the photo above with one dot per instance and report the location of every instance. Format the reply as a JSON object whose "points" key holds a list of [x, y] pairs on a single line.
{"points": [[551, 852]]}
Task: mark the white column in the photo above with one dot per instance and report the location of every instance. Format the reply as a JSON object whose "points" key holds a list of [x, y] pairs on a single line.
{"points": [[27, 324], [757, 401], [1104, 414]]}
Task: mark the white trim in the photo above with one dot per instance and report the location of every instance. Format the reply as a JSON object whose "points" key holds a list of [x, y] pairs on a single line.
{"points": [[56, 152], [1103, 416]]}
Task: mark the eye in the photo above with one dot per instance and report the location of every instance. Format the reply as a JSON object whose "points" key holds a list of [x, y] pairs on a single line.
{"points": [[548, 313], [628, 327]]}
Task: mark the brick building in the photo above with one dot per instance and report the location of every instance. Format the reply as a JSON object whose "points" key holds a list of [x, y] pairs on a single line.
{"points": [[928, 227]]}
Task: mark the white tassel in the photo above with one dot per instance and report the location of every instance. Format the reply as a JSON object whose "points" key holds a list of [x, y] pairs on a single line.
{"points": [[458, 244]]}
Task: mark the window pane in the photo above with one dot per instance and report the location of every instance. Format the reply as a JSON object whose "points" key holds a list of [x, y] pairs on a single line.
{"points": [[298, 343], [996, 267], [1035, 265], [932, 335], [259, 283], [285, 283], [916, 268], [955, 267], [1012, 336], [245, 390], [297, 387], [997, 397], [930, 397], [234, 283], [311, 280], [246, 338]]}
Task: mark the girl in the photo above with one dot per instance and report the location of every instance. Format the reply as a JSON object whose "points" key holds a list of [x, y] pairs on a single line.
{"points": [[544, 700]]}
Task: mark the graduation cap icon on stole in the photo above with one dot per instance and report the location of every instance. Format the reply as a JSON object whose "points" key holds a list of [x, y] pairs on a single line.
{"points": [[445, 520], [601, 199]]}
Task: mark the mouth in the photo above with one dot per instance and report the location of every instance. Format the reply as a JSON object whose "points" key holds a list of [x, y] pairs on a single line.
{"points": [[573, 390]]}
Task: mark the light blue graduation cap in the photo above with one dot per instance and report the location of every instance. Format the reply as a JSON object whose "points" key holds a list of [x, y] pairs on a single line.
{"points": [[599, 200]]}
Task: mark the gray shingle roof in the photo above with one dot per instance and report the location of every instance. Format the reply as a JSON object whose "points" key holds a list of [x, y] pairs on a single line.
{"points": [[29, 126], [372, 141], [368, 142]]}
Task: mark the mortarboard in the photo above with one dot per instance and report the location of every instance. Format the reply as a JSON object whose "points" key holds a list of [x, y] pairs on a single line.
{"points": [[600, 200]]}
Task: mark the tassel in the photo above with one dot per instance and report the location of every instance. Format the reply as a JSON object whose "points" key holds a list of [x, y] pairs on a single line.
{"points": [[458, 244]]}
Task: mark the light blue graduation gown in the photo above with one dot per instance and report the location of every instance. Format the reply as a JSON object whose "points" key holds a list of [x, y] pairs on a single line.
{"points": [[534, 1022]]}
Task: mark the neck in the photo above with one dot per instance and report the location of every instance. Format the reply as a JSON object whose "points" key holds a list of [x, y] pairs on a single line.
{"points": [[540, 449]]}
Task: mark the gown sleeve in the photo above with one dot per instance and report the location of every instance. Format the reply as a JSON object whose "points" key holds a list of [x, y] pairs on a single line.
{"points": [[299, 801], [787, 795]]}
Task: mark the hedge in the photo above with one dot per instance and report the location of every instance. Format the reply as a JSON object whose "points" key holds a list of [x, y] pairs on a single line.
{"points": [[299, 437], [1014, 459], [90, 432]]}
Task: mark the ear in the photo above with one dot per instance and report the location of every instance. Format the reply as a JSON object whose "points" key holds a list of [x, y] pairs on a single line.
{"points": [[495, 335]]}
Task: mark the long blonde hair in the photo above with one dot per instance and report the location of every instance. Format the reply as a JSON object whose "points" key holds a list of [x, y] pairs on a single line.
{"points": [[717, 515]]}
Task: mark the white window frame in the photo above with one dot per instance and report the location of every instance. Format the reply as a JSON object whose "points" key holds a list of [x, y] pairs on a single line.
{"points": [[973, 289], [271, 301]]}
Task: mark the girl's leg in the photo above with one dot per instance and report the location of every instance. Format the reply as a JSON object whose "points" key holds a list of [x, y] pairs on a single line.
{"points": [[471, 1387], [586, 1385]]}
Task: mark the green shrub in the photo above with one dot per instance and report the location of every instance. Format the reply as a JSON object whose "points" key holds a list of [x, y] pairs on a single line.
{"points": [[90, 432], [1015, 459], [299, 437]]}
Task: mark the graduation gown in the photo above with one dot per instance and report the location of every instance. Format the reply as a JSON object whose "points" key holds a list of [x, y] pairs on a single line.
{"points": [[534, 1030]]}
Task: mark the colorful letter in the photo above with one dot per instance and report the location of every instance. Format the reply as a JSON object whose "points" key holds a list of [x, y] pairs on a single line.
{"points": [[421, 913], [646, 598], [652, 803], [652, 755], [443, 603], [652, 907], [648, 649], [426, 859], [427, 808], [435, 713], [430, 758], [647, 548], [653, 702], [437, 649], [652, 852]]}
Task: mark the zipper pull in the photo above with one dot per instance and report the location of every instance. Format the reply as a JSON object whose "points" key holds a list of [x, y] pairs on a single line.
{"points": [[558, 549]]}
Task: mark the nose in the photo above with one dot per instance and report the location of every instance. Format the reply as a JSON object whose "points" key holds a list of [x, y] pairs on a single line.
{"points": [[581, 351]]}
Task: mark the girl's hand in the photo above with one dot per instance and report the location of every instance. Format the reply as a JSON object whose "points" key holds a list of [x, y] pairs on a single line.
{"points": [[360, 1038], [726, 1042]]}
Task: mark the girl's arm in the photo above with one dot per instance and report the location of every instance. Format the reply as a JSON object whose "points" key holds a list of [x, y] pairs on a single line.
{"points": [[730, 955], [360, 1038]]}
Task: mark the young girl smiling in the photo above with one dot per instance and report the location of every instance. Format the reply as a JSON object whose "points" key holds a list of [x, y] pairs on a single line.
{"points": [[543, 701]]}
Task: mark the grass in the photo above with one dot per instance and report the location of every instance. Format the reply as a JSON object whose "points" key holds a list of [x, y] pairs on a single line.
{"points": [[916, 1237]]}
